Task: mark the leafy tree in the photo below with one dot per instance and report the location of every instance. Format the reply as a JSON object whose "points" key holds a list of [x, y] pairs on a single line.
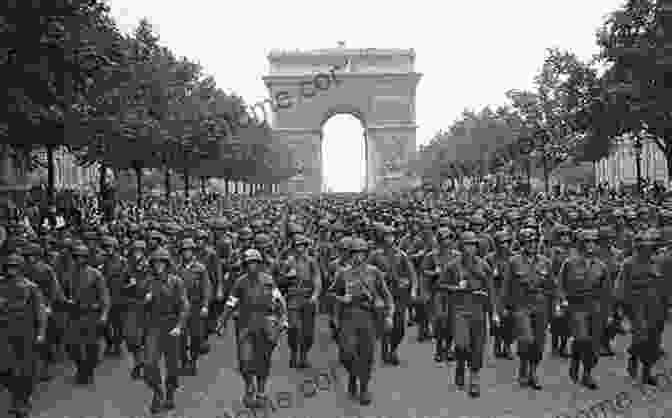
{"points": [[636, 49]]}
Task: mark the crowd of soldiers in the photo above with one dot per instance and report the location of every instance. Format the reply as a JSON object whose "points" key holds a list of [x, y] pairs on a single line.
{"points": [[463, 270]]}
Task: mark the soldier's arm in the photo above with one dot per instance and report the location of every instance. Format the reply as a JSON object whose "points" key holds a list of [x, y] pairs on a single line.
{"points": [[184, 305], [561, 281], [490, 284], [56, 289], [317, 279], [415, 285], [40, 311], [206, 288], [103, 294], [507, 282], [232, 303], [280, 304], [385, 293]]}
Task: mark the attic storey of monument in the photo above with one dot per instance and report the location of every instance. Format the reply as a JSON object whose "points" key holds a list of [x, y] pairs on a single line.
{"points": [[284, 99]]}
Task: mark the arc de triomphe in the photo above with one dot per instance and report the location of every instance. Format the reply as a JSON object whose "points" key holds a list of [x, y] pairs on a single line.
{"points": [[377, 86]]}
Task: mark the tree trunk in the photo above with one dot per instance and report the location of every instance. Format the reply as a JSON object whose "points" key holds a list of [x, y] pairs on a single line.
{"points": [[167, 183], [102, 184], [668, 160], [226, 187], [186, 183], [138, 179], [547, 176], [51, 174], [203, 185], [235, 187]]}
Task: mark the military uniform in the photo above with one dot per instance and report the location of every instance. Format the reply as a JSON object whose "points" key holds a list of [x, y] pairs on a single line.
{"points": [[23, 323], [166, 313], [469, 279], [639, 286], [402, 282], [301, 284], [87, 290], [134, 315], [199, 291], [583, 282], [262, 315], [363, 298], [434, 268], [527, 282], [42, 274], [114, 269], [503, 332]]}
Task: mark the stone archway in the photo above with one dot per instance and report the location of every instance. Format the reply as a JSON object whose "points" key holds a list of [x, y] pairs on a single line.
{"points": [[377, 86]]}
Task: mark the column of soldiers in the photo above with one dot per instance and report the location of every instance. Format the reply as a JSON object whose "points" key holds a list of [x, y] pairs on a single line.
{"points": [[161, 287]]}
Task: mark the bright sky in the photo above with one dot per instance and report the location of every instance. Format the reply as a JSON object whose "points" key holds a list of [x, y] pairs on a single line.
{"points": [[470, 52]]}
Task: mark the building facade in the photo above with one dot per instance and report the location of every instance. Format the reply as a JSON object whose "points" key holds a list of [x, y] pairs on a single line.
{"points": [[68, 173], [620, 167]]}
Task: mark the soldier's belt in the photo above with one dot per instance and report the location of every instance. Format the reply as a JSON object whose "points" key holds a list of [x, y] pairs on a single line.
{"points": [[86, 308]]}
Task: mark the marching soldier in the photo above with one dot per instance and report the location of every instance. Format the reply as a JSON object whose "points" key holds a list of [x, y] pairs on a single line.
{"points": [[302, 285], [23, 324], [262, 316], [402, 283], [433, 268], [558, 253], [114, 269], [41, 273], [527, 280], [639, 286], [584, 287], [498, 260], [90, 306], [134, 314], [199, 291], [363, 297], [208, 256], [473, 296], [167, 310]]}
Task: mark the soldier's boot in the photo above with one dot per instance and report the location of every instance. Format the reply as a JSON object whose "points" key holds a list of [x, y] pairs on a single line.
{"points": [[293, 359], [632, 367], [352, 386], [647, 379], [365, 397], [249, 398], [385, 349], [156, 406], [474, 384], [438, 348], [449, 353], [588, 381], [575, 362], [171, 387], [261, 399], [533, 378], [303, 360], [460, 368], [394, 357], [523, 371], [507, 353], [136, 371], [555, 344], [91, 363]]}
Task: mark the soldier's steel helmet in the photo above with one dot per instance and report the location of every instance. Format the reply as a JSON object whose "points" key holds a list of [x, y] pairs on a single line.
{"points": [[252, 255]]}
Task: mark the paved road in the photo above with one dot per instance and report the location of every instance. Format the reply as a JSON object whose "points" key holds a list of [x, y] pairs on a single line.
{"points": [[418, 388]]}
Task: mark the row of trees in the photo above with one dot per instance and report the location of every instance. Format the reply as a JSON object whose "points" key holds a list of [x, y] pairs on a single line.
{"points": [[74, 80], [576, 110]]}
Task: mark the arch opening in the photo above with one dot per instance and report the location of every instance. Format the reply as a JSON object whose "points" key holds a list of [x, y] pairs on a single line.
{"points": [[343, 151]]}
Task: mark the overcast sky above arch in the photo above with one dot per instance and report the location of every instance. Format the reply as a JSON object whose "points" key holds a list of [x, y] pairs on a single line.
{"points": [[470, 52]]}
